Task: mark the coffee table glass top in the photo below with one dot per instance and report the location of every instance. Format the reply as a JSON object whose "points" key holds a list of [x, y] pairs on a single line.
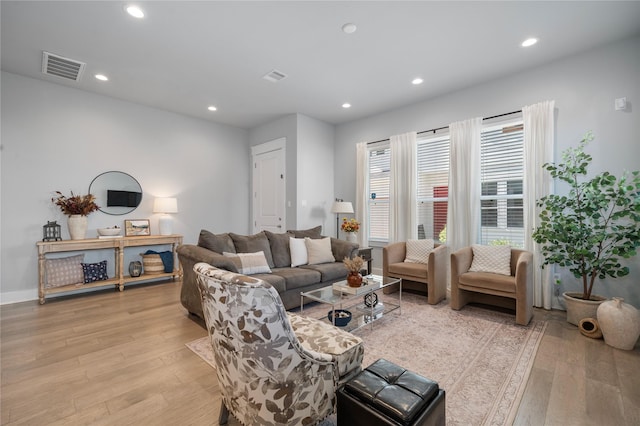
{"points": [[331, 296]]}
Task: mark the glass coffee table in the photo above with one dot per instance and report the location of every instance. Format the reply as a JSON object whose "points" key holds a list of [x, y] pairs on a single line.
{"points": [[362, 302]]}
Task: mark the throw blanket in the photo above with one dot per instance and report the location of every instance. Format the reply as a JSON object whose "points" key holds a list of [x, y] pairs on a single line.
{"points": [[166, 257]]}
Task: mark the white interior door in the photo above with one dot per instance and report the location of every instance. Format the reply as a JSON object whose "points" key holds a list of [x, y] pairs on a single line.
{"points": [[269, 186]]}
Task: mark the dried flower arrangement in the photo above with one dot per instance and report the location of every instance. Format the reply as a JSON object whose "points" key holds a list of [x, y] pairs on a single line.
{"points": [[353, 265], [350, 225], [75, 204]]}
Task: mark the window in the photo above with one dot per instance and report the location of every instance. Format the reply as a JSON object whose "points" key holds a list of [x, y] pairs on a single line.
{"points": [[433, 187], [379, 183], [501, 174]]}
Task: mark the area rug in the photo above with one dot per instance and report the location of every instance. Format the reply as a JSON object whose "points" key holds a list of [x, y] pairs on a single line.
{"points": [[479, 356]]}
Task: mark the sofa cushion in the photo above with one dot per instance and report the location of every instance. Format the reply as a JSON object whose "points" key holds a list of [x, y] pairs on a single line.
{"points": [[418, 270], [418, 250], [297, 277], [249, 263], [276, 281], [314, 233], [253, 244], [298, 252], [494, 259], [318, 336], [329, 271], [319, 250], [218, 243], [279, 248], [487, 280]]}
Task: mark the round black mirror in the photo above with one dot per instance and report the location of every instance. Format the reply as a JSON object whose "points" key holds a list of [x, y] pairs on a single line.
{"points": [[116, 193]]}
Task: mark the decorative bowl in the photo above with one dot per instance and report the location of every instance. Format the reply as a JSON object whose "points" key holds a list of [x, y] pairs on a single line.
{"points": [[342, 317], [108, 232]]}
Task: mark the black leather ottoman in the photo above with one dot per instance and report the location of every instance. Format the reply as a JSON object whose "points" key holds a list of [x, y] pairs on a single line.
{"points": [[387, 394]]}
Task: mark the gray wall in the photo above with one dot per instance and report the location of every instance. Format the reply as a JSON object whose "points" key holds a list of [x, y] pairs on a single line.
{"points": [[584, 88], [57, 138]]}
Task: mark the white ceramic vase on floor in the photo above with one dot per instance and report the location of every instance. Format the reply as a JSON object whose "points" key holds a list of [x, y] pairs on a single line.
{"points": [[77, 226], [620, 323]]}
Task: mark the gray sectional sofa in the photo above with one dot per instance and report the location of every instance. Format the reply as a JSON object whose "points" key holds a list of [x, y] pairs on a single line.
{"points": [[288, 281]]}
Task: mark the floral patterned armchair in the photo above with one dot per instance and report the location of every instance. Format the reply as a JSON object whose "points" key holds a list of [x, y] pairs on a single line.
{"points": [[273, 367]]}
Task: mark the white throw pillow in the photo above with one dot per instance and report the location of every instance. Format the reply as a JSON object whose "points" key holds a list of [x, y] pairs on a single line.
{"points": [[298, 250], [319, 251], [493, 259], [249, 263], [418, 251]]}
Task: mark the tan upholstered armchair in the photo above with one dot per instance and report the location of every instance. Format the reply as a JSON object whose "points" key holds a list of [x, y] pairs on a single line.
{"points": [[430, 277], [514, 291], [273, 367]]}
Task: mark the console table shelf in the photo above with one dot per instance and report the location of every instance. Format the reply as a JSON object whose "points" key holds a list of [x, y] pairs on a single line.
{"points": [[118, 245]]}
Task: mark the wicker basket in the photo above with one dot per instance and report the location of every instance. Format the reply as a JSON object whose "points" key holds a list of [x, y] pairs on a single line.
{"points": [[152, 264]]}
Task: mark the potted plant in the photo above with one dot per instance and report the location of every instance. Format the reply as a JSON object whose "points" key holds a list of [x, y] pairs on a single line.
{"points": [[591, 229], [351, 227], [76, 207]]}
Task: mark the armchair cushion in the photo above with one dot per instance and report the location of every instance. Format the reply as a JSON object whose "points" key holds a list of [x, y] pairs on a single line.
{"points": [[418, 251], [490, 281], [492, 259], [318, 336], [418, 270]]}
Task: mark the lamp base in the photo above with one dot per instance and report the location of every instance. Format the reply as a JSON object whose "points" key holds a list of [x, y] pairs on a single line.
{"points": [[165, 223]]}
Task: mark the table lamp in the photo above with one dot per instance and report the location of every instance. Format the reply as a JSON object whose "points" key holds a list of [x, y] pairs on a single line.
{"points": [[165, 206], [340, 206]]}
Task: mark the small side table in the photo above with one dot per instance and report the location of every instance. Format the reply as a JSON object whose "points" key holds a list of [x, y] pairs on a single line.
{"points": [[365, 254]]}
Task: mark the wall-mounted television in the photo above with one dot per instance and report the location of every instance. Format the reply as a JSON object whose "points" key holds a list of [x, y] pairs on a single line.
{"points": [[123, 198]]}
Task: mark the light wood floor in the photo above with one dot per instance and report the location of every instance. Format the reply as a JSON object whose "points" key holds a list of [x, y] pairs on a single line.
{"points": [[116, 358]]}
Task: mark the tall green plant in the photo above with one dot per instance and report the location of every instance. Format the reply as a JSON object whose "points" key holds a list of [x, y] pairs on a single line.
{"points": [[596, 225]]}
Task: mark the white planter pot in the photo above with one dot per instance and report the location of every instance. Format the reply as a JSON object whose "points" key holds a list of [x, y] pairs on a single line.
{"points": [[620, 323], [577, 308], [77, 226]]}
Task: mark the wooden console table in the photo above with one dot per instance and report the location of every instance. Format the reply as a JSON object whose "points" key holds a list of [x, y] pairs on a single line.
{"points": [[118, 245]]}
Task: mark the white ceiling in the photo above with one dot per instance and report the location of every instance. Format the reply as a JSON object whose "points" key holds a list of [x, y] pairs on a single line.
{"points": [[185, 56]]}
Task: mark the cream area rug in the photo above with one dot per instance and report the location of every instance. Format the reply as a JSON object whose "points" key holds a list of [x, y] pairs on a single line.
{"points": [[480, 357]]}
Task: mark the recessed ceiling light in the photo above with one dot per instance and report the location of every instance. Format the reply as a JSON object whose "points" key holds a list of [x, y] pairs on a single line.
{"points": [[101, 77], [346, 105], [135, 11], [529, 42], [417, 81], [349, 28], [212, 108]]}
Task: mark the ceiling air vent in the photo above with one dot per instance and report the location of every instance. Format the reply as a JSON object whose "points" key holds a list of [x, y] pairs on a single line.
{"points": [[62, 67], [274, 76]]}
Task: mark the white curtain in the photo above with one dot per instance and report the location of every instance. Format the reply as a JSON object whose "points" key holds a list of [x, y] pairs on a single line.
{"points": [[402, 194], [539, 131], [463, 212], [362, 196]]}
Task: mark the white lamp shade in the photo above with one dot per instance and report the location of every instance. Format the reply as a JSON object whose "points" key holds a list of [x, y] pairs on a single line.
{"points": [[165, 205], [342, 207]]}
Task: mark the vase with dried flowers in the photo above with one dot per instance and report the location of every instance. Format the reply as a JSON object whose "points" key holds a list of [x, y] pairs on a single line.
{"points": [[351, 228], [354, 266], [76, 207]]}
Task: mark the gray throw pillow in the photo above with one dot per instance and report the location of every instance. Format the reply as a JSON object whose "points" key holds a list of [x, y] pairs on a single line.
{"points": [[313, 233], [253, 244], [218, 243], [280, 249]]}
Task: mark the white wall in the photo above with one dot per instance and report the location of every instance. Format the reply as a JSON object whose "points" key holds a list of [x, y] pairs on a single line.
{"points": [[584, 88], [59, 138], [315, 174]]}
